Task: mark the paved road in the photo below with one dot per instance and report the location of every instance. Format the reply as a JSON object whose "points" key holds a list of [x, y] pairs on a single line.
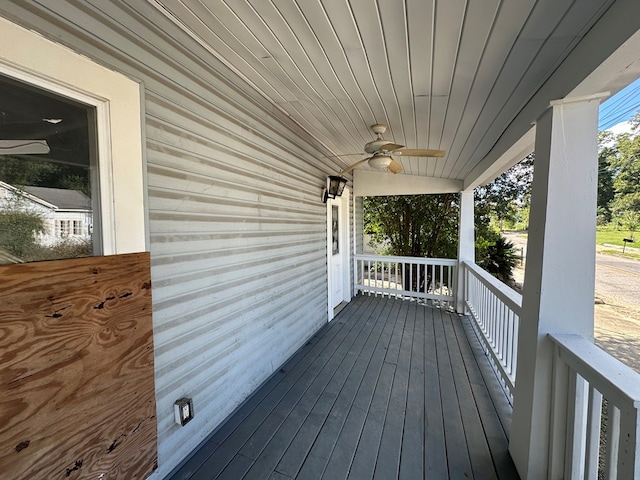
{"points": [[617, 309], [617, 279]]}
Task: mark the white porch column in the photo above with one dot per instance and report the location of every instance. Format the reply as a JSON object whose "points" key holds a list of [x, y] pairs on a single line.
{"points": [[560, 273], [466, 243]]}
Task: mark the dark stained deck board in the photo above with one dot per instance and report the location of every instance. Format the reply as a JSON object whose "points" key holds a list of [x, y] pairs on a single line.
{"points": [[324, 445], [435, 458], [298, 376], [388, 463], [316, 405], [295, 457], [494, 408], [479, 453], [458, 462], [486, 377], [388, 389], [344, 452], [412, 455]]}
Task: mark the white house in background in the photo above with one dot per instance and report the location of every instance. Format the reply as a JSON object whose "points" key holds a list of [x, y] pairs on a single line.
{"points": [[66, 213]]}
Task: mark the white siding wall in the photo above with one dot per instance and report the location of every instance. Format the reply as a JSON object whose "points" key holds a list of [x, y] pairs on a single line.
{"points": [[237, 230], [358, 220]]}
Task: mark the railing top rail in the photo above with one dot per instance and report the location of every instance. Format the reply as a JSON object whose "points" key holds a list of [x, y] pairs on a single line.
{"points": [[401, 259], [607, 374], [506, 294]]}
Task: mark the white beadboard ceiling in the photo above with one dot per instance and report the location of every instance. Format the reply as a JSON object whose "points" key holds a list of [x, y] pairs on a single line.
{"points": [[442, 74]]}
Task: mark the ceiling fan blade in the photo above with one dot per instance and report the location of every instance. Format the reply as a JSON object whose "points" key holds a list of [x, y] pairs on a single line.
{"points": [[391, 147], [394, 166], [419, 152], [355, 165]]}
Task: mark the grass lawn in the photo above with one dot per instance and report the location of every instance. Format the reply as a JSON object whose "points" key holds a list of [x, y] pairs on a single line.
{"points": [[618, 253], [614, 237]]}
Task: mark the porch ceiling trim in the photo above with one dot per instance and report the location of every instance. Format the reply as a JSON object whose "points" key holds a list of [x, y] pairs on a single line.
{"points": [[605, 60], [367, 183]]}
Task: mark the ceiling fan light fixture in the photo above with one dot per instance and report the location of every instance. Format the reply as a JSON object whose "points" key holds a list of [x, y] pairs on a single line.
{"points": [[380, 161]]}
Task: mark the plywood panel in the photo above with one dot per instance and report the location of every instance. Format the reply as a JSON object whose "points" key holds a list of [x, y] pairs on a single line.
{"points": [[76, 369]]}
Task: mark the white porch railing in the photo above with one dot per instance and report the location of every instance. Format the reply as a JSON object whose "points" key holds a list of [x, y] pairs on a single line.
{"points": [[431, 279], [495, 309], [585, 436]]}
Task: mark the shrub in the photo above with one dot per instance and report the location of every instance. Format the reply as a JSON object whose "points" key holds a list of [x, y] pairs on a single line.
{"points": [[18, 230], [497, 256]]}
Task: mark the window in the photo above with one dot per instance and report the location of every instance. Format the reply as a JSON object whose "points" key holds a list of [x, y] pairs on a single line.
{"points": [[48, 172], [103, 150], [335, 230], [69, 228]]}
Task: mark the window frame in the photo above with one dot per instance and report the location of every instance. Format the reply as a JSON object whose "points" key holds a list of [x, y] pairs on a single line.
{"points": [[30, 58]]}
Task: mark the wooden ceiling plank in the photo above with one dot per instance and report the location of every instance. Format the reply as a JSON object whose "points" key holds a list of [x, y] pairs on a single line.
{"points": [[336, 70], [201, 30], [533, 65], [394, 24], [291, 64], [420, 16], [369, 25], [476, 29], [453, 74], [509, 24]]}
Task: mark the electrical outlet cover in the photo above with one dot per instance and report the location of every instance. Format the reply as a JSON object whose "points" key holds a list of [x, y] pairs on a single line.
{"points": [[183, 411]]}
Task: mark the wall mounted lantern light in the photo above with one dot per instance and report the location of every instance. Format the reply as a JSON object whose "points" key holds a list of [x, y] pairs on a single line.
{"points": [[335, 187]]}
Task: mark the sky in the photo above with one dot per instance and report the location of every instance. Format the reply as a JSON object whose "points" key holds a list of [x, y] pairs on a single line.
{"points": [[621, 107]]}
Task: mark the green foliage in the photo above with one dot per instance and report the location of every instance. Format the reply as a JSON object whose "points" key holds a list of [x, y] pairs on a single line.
{"points": [[505, 202], [630, 220], [19, 226], [22, 172], [18, 230], [619, 176], [76, 182], [414, 225], [70, 248], [505, 197], [606, 157], [496, 255], [29, 170]]}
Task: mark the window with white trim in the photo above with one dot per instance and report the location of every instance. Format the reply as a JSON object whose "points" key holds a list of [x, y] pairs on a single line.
{"points": [[48, 168], [111, 103]]}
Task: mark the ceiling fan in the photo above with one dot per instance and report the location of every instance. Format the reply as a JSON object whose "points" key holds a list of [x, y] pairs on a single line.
{"points": [[381, 151]]}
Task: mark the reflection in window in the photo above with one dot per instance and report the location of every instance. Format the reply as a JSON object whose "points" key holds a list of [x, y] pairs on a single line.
{"points": [[48, 176]]}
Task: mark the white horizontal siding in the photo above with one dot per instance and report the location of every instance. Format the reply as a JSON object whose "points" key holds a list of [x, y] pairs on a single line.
{"points": [[237, 229]]}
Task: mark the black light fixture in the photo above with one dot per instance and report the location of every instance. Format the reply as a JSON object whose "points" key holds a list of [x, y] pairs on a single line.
{"points": [[335, 187]]}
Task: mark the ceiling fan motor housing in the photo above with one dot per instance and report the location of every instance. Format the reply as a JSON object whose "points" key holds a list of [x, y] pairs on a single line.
{"points": [[378, 145]]}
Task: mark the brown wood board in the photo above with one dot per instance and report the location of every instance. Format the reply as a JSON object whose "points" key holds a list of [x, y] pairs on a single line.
{"points": [[76, 369]]}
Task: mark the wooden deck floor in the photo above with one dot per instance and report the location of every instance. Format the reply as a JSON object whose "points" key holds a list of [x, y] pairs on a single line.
{"points": [[389, 389]]}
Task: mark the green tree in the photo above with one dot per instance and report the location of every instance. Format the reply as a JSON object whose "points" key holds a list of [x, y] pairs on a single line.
{"points": [[505, 196], [18, 230], [427, 225], [414, 225], [76, 182], [607, 156], [626, 181], [23, 172]]}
